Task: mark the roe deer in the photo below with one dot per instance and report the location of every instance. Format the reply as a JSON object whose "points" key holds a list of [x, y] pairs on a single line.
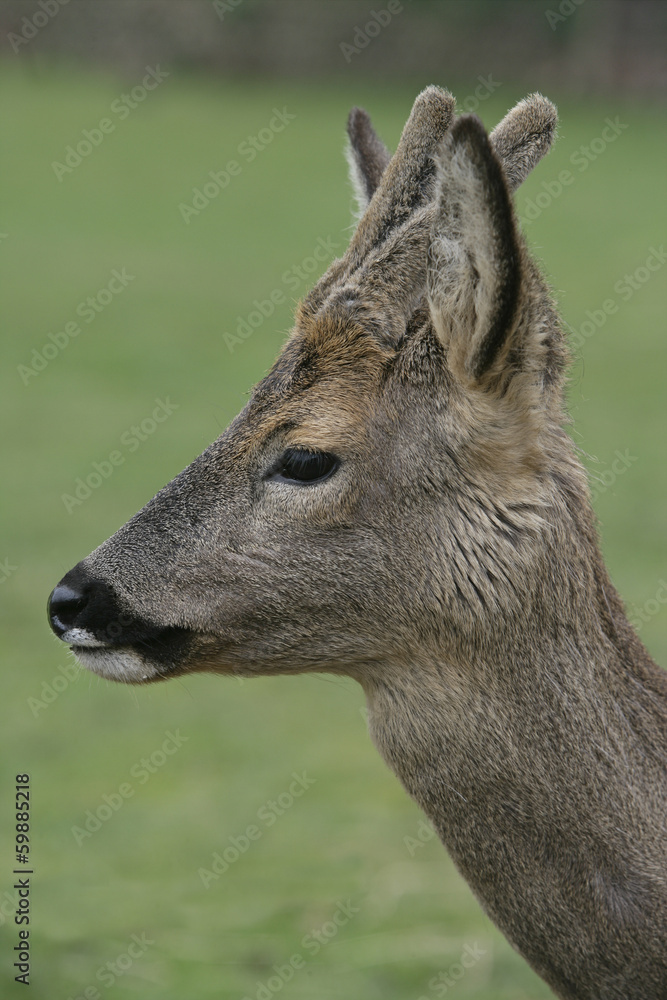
{"points": [[399, 502]]}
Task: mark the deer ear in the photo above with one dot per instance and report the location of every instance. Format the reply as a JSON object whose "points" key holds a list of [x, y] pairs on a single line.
{"points": [[367, 157], [474, 272], [524, 135]]}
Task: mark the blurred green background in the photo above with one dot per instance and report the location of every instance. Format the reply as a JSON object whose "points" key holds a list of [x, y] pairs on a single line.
{"points": [[353, 837]]}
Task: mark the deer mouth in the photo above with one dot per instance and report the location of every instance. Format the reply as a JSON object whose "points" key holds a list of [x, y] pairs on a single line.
{"points": [[160, 654]]}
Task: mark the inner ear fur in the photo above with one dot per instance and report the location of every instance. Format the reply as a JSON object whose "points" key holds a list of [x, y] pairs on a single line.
{"points": [[475, 265]]}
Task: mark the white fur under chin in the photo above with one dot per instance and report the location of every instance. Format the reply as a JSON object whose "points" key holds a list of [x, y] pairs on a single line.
{"points": [[117, 665]]}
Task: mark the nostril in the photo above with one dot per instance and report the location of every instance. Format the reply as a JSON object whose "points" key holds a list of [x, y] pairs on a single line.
{"points": [[64, 606]]}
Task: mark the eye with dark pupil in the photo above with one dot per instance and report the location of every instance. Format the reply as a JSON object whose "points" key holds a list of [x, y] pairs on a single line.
{"points": [[299, 465]]}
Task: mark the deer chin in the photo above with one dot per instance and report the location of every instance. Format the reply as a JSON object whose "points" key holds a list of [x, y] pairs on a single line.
{"points": [[117, 664]]}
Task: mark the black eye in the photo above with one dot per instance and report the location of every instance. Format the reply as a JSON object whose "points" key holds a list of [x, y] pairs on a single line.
{"points": [[299, 465]]}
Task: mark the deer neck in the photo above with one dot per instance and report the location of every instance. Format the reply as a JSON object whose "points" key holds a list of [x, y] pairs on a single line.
{"points": [[524, 756]]}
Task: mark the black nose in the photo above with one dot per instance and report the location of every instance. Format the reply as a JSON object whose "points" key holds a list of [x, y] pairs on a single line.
{"points": [[83, 602], [65, 605]]}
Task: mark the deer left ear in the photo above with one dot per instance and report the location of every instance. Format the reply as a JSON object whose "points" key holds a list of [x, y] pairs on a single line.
{"points": [[367, 157], [475, 260]]}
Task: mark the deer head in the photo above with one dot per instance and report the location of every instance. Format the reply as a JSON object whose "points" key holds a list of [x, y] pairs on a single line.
{"points": [[379, 488]]}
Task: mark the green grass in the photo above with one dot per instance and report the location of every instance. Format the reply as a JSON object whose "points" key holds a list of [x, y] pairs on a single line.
{"points": [[344, 839]]}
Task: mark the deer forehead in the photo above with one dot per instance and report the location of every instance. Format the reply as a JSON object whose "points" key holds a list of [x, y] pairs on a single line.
{"points": [[325, 387]]}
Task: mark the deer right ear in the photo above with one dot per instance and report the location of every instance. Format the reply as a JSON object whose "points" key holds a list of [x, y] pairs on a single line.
{"points": [[367, 157], [523, 137], [474, 267]]}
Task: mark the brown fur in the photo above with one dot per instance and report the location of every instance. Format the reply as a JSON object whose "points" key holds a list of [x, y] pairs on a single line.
{"points": [[450, 564]]}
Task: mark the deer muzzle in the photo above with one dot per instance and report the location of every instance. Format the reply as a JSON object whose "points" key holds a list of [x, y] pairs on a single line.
{"points": [[87, 614]]}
